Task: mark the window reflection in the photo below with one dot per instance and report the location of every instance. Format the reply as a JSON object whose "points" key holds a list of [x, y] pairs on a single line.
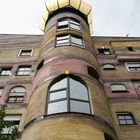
{"points": [[68, 94], [57, 107]]}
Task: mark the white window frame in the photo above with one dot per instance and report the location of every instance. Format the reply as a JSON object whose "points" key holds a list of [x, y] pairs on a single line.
{"points": [[126, 64], [20, 52]]}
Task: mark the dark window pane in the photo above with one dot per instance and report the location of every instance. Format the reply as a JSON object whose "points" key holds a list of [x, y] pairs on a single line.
{"points": [[59, 85], [58, 95], [77, 106], [57, 107], [78, 90], [25, 52]]}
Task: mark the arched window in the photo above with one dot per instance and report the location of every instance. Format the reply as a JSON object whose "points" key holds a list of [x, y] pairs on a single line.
{"points": [[118, 88], [16, 95], [68, 94], [108, 67]]}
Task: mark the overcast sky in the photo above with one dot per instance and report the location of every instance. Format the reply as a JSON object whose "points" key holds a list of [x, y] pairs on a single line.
{"points": [[110, 17]]}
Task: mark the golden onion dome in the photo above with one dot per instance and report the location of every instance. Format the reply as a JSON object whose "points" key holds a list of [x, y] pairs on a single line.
{"points": [[53, 5]]}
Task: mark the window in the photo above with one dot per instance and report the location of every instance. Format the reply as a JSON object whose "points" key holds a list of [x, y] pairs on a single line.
{"points": [[5, 71], [104, 51], [16, 95], [108, 67], [68, 23], [133, 67], [68, 94], [24, 70], [118, 88], [130, 49], [13, 118], [125, 118], [92, 72], [40, 65], [1, 90], [69, 40], [25, 52], [107, 137]]}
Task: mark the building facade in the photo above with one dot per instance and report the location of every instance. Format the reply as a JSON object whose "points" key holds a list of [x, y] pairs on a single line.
{"points": [[68, 84]]}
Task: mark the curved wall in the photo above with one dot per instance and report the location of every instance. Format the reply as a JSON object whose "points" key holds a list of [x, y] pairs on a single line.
{"points": [[75, 59]]}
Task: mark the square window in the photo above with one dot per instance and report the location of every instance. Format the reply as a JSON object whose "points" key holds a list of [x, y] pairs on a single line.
{"points": [[5, 71], [24, 70], [25, 52]]}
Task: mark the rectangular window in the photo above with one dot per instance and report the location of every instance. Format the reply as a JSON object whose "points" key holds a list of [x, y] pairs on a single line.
{"points": [[133, 66], [5, 71], [63, 24], [74, 24], [68, 23], [1, 90], [25, 52], [69, 40], [76, 41], [104, 51], [63, 40], [13, 118], [24, 70], [125, 118]]}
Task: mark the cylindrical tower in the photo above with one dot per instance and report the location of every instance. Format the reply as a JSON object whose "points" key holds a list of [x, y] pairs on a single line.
{"points": [[68, 100]]}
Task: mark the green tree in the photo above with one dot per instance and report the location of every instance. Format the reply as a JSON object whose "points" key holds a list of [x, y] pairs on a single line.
{"points": [[7, 124]]}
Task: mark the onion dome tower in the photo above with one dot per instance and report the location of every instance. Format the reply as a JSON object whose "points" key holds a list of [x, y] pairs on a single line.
{"points": [[68, 100]]}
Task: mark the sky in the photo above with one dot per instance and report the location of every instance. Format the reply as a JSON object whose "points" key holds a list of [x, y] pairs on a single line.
{"points": [[110, 17]]}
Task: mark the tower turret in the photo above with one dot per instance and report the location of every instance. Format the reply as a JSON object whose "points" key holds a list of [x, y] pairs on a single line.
{"points": [[68, 100]]}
